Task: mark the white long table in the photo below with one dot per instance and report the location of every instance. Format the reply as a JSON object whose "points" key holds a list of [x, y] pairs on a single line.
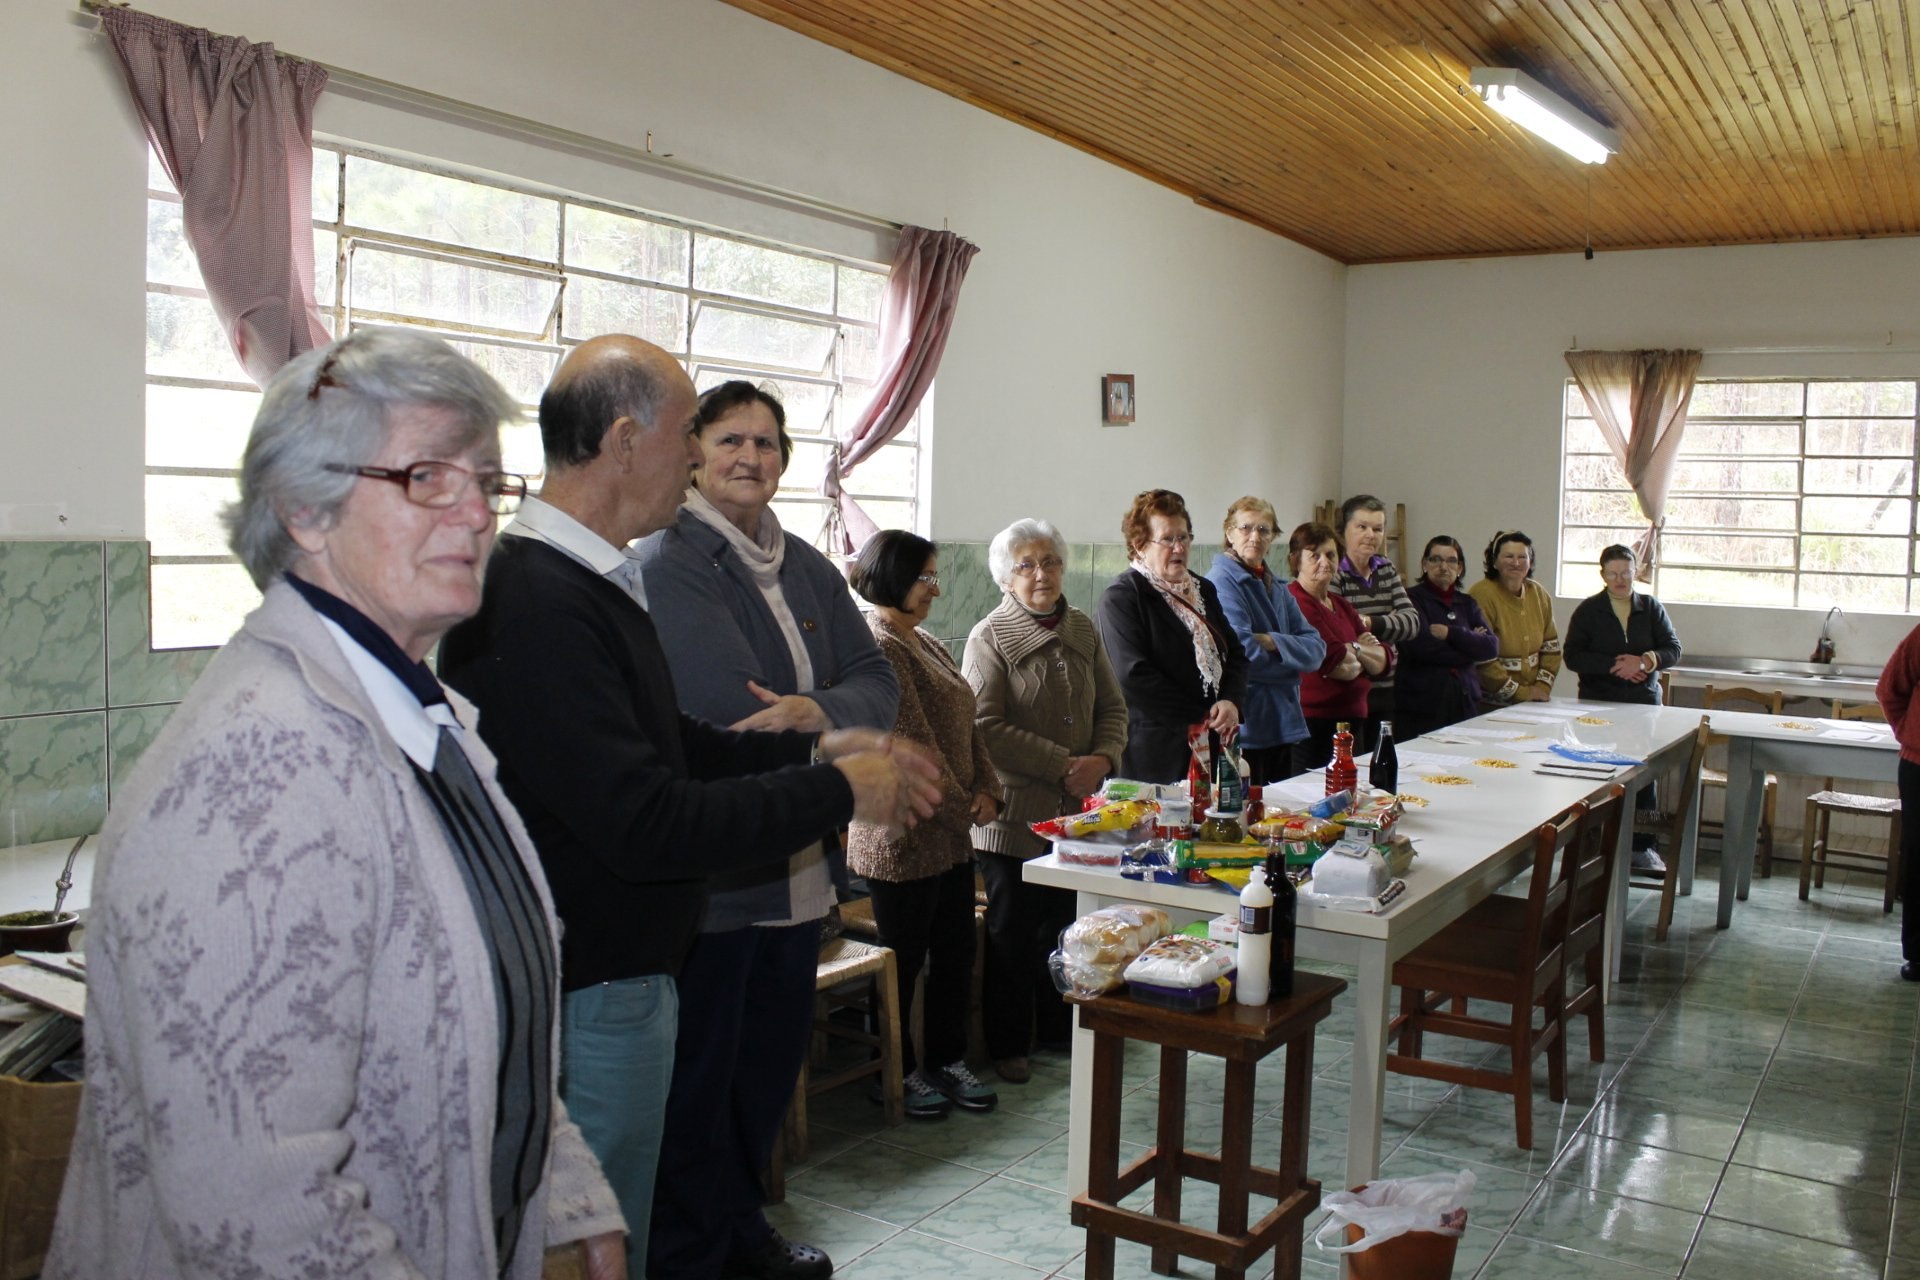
{"points": [[1469, 842], [1759, 743]]}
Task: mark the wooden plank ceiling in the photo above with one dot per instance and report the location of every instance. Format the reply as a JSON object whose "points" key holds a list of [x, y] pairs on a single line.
{"points": [[1347, 127]]}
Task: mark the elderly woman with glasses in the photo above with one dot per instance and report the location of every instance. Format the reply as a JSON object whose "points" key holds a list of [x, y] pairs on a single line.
{"points": [[922, 880], [1370, 582], [1279, 642], [323, 978], [1439, 682], [1055, 725], [1172, 647]]}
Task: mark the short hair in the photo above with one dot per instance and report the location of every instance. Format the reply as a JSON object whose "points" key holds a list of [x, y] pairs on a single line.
{"points": [[717, 402], [1137, 525], [888, 565], [1359, 502], [1250, 503], [1499, 540], [1308, 536], [1618, 551], [1445, 540], [334, 406], [575, 414], [1012, 538]]}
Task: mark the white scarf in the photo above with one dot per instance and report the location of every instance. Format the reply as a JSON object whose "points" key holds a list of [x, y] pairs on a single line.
{"points": [[763, 557], [1187, 604]]}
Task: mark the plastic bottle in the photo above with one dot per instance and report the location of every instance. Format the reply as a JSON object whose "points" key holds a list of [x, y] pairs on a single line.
{"points": [[1384, 773], [1227, 793], [1254, 953], [1342, 774], [1286, 914]]}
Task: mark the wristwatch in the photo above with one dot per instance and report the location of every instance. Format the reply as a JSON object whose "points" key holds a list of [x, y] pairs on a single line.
{"points": [[1648, 664]]}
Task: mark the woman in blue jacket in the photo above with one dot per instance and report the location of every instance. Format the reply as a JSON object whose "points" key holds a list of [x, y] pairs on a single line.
{"points": [[1279, 642]]}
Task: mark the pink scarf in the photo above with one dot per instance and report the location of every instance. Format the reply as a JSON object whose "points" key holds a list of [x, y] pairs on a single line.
{"points": [[1185, 601]]}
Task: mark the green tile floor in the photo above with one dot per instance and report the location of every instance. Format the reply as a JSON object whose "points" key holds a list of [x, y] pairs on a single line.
{"points": [[1751, 1121]]}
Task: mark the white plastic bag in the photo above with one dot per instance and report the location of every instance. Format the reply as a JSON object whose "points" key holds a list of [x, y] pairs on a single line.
{"points": [[1435, 1202]]}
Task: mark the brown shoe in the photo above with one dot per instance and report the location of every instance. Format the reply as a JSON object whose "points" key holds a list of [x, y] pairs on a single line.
{"points": [[1014, 1070]]}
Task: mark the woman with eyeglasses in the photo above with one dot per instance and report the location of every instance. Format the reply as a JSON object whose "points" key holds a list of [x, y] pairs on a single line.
{"points": [[1056, 725], [1279, 642], [1439, 678], [1174, 651], [1520, 611], [1336, 691], [1619, 640], [922, 879], [323, 966]]}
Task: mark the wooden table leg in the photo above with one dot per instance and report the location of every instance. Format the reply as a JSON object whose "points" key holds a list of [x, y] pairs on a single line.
{"points": [[1103, 1146], [1236, 1155], [1170, 1139]]}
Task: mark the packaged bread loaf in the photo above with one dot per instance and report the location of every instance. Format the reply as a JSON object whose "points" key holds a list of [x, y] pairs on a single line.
{"points": [[1096, 948]]}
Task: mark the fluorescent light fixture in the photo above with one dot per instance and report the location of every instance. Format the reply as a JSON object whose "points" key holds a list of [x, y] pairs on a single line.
{"points": [[1538, 109]]}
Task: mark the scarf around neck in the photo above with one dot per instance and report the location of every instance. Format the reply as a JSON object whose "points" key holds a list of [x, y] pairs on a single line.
{"points": [[763, 557], [1187, 604]]}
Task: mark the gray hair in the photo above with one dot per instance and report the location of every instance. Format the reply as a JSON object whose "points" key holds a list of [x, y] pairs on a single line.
{"points": [[1019, 534], [334, 406]]}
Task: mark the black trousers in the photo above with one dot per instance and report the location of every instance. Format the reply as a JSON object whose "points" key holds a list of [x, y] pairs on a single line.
{"points": [[746, 1015], [929, 924], [1269, 764], [1909, 781], [1018, 1001]]}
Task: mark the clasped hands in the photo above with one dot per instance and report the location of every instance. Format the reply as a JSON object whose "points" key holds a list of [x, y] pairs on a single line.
{"points": [[1631, 667]]}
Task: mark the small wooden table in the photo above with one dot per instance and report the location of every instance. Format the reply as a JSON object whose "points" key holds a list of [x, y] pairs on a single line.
{"points": [[1241, 1035]]}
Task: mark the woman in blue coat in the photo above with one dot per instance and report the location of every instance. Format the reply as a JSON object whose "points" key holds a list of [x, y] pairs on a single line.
{"points": [[1279, 642]]}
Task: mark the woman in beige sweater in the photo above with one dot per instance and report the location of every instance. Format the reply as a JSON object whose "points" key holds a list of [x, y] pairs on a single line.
{"points": [[1520, 611], [922, 880], [1056, 724]]}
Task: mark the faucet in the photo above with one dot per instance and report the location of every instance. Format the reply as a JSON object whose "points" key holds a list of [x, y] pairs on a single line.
{"points": [[1823, 648]]}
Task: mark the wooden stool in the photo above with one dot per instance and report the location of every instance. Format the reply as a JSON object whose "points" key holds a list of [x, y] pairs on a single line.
{"points": [[1242, 1035]]}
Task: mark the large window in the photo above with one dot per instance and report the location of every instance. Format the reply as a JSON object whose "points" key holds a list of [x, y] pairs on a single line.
{"points": [[1786, 494], [511, 276]]}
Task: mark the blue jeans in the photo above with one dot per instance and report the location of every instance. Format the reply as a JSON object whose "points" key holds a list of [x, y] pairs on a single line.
{"points": [[616, 1065]]}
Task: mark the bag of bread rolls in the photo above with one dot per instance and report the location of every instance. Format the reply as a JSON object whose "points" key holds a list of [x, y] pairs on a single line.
{"points": [[1096, 948]]}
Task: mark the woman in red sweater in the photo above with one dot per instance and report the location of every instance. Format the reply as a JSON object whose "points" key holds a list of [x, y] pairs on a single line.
{"points": [[1897, 685], [1338, 690]]}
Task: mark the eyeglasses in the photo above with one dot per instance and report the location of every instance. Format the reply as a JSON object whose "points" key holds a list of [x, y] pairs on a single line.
{"points": [[1051, 564], [1451, 562], [1177, 540], [441, 484], [1617, 575], [929, 579], [1257, 530]]}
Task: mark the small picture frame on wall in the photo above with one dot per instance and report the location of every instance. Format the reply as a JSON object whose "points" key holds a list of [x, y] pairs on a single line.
{"points": [[1116, 399]]}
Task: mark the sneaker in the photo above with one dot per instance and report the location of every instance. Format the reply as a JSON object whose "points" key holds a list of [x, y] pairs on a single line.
{"points": [[1014, 1070], [924, 1100], [961, 1088], [1647, 862]]}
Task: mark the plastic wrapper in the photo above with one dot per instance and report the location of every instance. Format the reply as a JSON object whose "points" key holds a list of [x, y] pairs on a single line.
{"points": [[1096, 949], [1190, 999], [1350, 872], [1435, 1202], [1207, 855], [1182, 962], [1128, 789], [1115, 816]]}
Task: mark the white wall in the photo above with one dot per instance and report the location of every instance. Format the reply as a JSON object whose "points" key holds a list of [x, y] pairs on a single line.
{"points": [[1455, 372], [1235, 335]]}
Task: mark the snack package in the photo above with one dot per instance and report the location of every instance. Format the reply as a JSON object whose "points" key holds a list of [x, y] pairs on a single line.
{"points": [[1181, 962], [1128, 789], [1208, 855], [1185, 999], [1096, 948], [1117, 815], [1377, 813], [1091, 853], [1350, 871]]}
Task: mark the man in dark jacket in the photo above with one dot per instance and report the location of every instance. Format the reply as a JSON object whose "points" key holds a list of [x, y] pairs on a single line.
{"points": [[630, 803], [1619, 641]]}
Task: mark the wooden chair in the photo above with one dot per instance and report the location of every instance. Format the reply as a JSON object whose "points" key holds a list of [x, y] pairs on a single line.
{"points": [[1669, 826], [1739, 698], [844, 961], [1522, 968], [1816, 845]]}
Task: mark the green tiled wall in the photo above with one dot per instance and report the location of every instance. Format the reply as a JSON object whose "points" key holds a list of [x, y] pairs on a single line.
{"points": [[81, 691]]}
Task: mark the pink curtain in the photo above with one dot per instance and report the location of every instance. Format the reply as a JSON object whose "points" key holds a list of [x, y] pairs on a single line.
{"points": [[232, 122], [916, 315], [1639, 402]]}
